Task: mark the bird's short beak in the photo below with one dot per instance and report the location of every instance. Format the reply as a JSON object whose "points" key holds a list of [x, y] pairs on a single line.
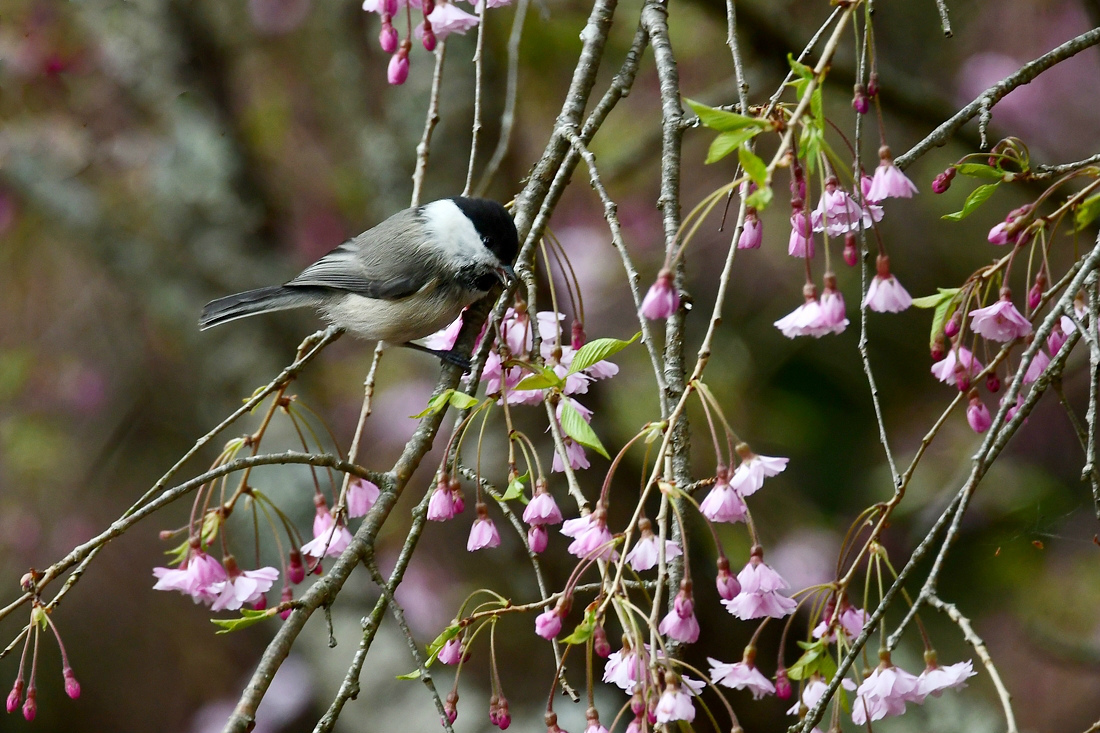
{"points": [[506, 274]]}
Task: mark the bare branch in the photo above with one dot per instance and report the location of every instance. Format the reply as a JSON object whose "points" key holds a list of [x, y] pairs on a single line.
{"points": [[983, 654], [995, 93]]}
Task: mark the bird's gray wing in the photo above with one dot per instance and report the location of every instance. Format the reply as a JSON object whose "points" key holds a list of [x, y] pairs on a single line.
{"points": [[368, 265]]}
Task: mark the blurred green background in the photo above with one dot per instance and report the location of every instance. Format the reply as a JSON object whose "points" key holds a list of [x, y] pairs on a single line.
{"points": [[155, 154]]}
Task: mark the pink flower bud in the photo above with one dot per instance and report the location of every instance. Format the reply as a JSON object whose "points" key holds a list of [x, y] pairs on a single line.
{"points": [[662, 300], [728, 585], [993, 383], [600, 644], [427, 37], [782, 684], [504, 718], [296, 569], [387, 38], [398, 71], [72, 687], [951, 328], [872, 84], [548, 623], [30, 707], [450, 707], [537, 538], [851, 254], [1034, 296], [977, 414], [15, 696], [860, 102]]}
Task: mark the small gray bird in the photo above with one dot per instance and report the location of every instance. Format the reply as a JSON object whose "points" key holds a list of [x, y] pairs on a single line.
{"points": [[403, 280]]}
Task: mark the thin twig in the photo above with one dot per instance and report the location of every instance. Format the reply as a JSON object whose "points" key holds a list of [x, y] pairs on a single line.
{"points": [[414, 648], [980, 649], [1090, 469], [475, 132], [945, 22], [508, 115], [423, 149], [1044, 172], [995, 93], [610, 214]]}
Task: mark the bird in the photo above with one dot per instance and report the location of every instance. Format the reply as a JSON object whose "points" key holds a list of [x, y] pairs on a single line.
{"points": [[400, 281]]}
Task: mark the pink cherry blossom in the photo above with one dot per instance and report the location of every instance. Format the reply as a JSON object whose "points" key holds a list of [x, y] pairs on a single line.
{"points": [[575, 455], [444, 340], [1058, 337], [977, 415], [832, 319], [674, 704], [329, 538], [680, 622], [483, 533], [849, 624], [934, 680], [884, 692], [451, 653], [813, 691], [749, 476], [197, 577], [361, 497], [1011, 413], [625, 668], [663, 299], [1000, 321], [838, 213], [643, 556], [446, 18], [722, 503], [548, 623], [890, 182], [752, 234], [441, 506], [740, 676], [802, 321], [958, 359], [537, 538], [592, 536], [801, 243], [759, 596], [542, 509], [248, 586], [1038, 365]]}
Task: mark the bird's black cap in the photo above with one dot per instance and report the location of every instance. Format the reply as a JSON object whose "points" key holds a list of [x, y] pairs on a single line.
{"points": [[494, 224]]}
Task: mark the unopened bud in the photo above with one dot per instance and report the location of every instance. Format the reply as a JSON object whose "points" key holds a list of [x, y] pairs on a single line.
{"points": [[72, 687], [851, 254], [15, 696], [30, 707]]}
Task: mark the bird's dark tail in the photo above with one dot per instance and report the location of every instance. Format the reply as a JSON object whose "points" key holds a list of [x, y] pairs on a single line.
{"points": [[249, 303]]}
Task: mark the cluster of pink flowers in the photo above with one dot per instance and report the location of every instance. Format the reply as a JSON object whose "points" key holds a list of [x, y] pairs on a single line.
{"points": [[438, 20], [887, 690], [224, 586]]}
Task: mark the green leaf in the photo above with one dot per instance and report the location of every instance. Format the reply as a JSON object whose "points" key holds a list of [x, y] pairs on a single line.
{"points": [[753, 166], [1087, 212], [817, 107], [979, 170], [596, 351], [517, 488], [726, 142], [584, 630], [414, 675], [809, 143], [808, 663], [723, 121], [580, 431], [933, 301], [976, 198], [800, 68], [444, 636], [760, 198], [248, 618], [543, 378], [437, 403], [461, 400]]}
